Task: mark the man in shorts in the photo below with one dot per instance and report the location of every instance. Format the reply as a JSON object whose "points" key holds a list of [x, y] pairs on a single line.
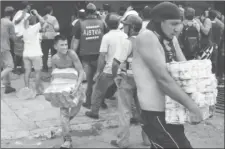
{"points": [[32, 54], [156, 46], [65, 58]]}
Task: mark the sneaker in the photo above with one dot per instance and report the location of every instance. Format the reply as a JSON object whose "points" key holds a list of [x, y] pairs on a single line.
{"points": [[115, 144], [104, 105], [9, 90], [66, 145], [92, 115], [86, 105]]}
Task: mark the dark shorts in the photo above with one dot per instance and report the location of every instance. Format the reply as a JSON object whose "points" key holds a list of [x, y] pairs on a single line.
{"points": [[163, 135]]}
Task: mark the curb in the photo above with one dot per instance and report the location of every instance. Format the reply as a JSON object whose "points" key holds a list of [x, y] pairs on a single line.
{"points": [[51, 132]]}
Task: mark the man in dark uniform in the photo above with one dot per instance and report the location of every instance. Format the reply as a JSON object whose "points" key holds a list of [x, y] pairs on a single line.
{"points": [[87, 35]]}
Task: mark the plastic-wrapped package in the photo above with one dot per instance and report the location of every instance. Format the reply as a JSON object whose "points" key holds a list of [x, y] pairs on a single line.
{"points": [[67, 73], [61, 95], [196, 79], [62, 92]]}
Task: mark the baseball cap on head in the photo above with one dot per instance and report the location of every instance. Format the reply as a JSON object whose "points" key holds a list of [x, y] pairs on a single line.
{"points": [[91, 6], [132, 20], [132, 12], [165, 11]]}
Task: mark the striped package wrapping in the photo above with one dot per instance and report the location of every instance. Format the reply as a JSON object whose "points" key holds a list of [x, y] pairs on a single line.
{"points": [[61, 92], [196, 79]]}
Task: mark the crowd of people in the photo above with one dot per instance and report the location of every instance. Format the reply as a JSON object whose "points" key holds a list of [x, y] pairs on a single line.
{"points": [[124, 53]]}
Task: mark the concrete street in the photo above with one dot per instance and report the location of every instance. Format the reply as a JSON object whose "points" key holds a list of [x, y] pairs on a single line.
{"points": [[35, 124]]}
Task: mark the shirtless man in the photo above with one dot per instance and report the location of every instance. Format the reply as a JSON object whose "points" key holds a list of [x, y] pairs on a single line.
{"points": [[156, 46], [65, 58]]}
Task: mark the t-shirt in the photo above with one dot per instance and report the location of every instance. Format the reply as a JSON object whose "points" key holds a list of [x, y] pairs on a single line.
{"points": [[7, 32], [31, 38], [125, 56], [19, 28], [111, 42]]}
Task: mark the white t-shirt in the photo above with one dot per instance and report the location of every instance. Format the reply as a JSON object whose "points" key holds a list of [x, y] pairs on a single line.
{"points": [[19, 28], [111, 42], [31, 37]]}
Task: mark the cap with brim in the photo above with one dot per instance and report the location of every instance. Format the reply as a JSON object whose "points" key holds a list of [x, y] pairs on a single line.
{"points": [[132, 12], [132, 20]]}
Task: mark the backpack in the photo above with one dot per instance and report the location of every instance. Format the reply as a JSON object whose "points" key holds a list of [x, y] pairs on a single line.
{"points": [[190, 39]]}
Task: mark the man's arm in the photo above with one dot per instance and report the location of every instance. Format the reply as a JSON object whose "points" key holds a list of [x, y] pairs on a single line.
{"points": [[205, 28], [76, 36], [103, 51], [40, 18], [12, 34], [78, 66], [150, 52], [74, 43], [56, 24], [121, 56], [53, 62], [101, 62], [17, 19]]}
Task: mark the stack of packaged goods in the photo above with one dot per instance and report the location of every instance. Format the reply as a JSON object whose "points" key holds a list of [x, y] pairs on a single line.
{"points": [[62, 91], [196, 79]]}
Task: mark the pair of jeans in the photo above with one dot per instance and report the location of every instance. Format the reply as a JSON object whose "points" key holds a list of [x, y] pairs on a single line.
{"points": [[99, 91], [128, 107], [162, 135], [66, 115], [6, 63], [46, 45], [90, 66]]}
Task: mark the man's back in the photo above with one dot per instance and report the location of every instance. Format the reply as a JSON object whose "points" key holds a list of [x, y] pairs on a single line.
{"points": [[111, 42]]}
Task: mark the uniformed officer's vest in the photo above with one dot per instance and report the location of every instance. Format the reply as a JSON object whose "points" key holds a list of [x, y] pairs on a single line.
{"points": [[92, 31]]}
